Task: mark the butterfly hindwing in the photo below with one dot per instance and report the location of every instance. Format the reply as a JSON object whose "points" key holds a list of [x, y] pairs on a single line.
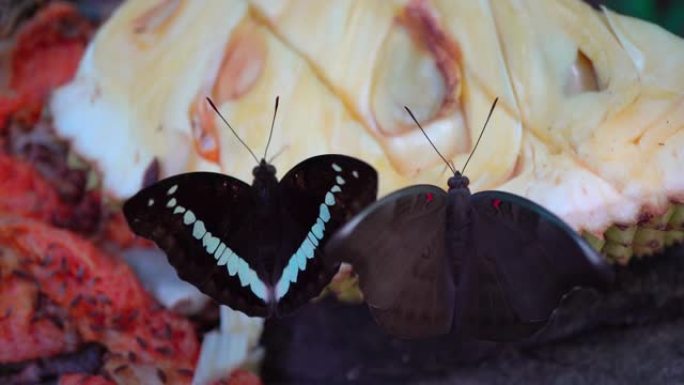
{"points": [[526, 260], [317, 196], [199, 220], [397, 248]]}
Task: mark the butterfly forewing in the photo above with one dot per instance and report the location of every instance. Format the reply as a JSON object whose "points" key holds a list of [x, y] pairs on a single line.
{"points": [[318, 195], [526, 260], [397, 248], [199, 220]]}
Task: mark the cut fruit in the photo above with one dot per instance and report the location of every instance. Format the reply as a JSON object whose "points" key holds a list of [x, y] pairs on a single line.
{"points": [[590, 122]]}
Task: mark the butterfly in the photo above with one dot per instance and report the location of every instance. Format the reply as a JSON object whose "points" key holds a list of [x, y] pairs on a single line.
{"points": [[492, 264], [254, 248]]}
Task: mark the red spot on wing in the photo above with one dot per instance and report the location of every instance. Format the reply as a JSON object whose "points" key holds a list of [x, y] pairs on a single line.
{"points": [[496, 203], [429, 197]]}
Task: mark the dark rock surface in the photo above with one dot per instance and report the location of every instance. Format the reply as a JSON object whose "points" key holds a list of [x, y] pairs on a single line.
{"points": [[631, 333]]}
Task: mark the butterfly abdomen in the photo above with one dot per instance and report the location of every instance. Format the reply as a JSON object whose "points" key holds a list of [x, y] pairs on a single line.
{"points": [[458, 230]]}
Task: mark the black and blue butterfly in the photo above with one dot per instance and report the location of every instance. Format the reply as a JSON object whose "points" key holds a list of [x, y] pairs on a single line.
{"points": [[492, 264], [258, 248]]}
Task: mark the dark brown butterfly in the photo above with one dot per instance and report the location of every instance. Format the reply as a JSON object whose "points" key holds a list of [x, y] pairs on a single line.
{"points": [[494, 263]]}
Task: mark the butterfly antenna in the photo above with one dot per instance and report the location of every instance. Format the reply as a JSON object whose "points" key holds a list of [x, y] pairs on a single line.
{"points": [[428, 138], [270, 134], [231, 128], [277, 154], [491, 110], [444, 170]]}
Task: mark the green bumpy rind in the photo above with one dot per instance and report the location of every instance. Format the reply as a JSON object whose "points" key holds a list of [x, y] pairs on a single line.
{"points": [[621, 243]]}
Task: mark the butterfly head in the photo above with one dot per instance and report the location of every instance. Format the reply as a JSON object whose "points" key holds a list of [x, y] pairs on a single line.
{"points": [[458, 181], [264, 170]]}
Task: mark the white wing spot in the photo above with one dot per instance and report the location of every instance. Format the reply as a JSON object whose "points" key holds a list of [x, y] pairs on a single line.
{"points": [[312, 238], [232, 263], [150, 202], [189, 217], [290, 272], [335, 189], [251, 276], [171, 203], [308, 248], [198, 230], [355, 173], [339, 180], [281, 288], [258, 288], [318, 228], [324, 213], [172, 189], [179, 209], [336, 167], [329, 199], [300, 261], [210, 242], [226, 254], [243, 272], [219, 250]]}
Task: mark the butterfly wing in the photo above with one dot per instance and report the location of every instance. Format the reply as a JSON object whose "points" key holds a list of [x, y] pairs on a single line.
{"points": [[526, 260], [317, 196], [397, 248], [199, 220]]}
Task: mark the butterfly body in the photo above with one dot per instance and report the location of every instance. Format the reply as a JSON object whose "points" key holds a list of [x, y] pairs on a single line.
{"points": [[265, 227], [493, 264], [254, 248]]}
